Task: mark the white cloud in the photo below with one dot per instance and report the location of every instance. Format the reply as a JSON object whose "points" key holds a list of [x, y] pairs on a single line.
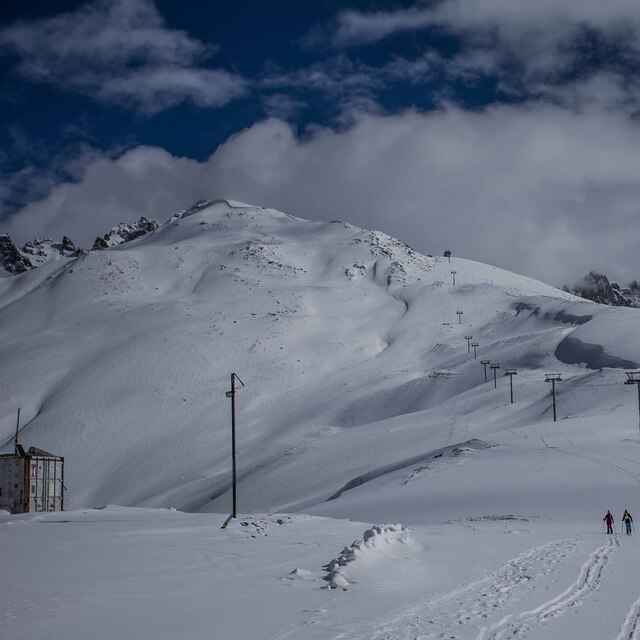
{"points": [[142, 181], [510, 19], [337, 76], [281, 105], [525, 15], [538, 190], [529, 47], [121, 52], [356, 27], [158, 89]]}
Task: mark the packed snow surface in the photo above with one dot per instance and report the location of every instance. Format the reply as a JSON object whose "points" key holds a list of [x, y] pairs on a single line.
{"points": [[363, 405]]}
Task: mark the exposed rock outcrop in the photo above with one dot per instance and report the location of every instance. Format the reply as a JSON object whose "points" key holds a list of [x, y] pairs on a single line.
{"points": [[125, 233], [11, 258], [42, 250], [596, 287]]}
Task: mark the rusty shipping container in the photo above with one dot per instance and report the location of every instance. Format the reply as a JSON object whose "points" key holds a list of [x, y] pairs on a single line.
{"points": [[32, 481]]}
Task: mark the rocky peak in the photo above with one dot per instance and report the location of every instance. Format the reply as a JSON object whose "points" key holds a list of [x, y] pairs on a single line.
{"points": [[11, 258], [596, 287], [194, 208], [41, 250], [68, 246], [124, 232]]}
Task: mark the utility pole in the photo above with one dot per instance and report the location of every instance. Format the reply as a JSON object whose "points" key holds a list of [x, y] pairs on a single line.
{"points": [[468, 339], [232, 394], [495, 368], [453, 273], [15, 443], [475, 346], [511, 373], [484, 363], [447, 254], [553, 378], [459, 316], [634, 378], [18, 449]]}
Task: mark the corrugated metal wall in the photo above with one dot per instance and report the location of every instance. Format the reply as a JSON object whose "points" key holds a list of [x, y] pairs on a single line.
{"points": [[45, 484], [33, 483]]}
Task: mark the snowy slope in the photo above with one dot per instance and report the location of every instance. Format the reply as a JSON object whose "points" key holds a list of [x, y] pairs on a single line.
{"points": [[347, 340], [363, 404]]}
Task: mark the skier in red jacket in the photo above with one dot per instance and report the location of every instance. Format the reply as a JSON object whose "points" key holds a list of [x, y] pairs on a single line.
{"points": [[609, 520]]}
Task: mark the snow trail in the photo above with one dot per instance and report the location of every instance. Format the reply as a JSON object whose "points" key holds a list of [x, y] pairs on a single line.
{"points": [[588, 581], [631, 627], [475, 601]]}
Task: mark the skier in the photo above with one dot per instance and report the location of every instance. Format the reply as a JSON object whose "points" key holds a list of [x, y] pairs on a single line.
{"points": [[628, 520], [609, 520]]}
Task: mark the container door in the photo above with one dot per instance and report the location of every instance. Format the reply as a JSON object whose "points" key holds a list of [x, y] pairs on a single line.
{"points": [[38, 472], [51, 485]]}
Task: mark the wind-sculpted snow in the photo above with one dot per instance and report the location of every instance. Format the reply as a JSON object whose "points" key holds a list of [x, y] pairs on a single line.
{"points": [[558, 316], [372, 539], [424, 459], [573, 351]]}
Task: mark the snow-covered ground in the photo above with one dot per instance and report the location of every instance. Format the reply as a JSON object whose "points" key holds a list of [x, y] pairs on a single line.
{"points": [[363, 405]]}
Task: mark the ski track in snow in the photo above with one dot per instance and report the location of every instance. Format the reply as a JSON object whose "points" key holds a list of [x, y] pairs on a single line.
{"points": [[631, 627], [635, 477], [588, 581], [447, 615]]}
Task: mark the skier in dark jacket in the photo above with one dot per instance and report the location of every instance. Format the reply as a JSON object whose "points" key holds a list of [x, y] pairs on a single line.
{"points": [[628, 521], [609, 520]]}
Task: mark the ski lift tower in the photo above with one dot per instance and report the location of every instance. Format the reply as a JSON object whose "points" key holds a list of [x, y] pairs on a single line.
{"points": [[495, 368], [484, 363], [468, 339], [511, 373], [633, 377], [553, 378]]}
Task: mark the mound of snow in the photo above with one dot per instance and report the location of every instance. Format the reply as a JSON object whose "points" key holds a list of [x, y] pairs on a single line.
{"points": [[372, 539]]}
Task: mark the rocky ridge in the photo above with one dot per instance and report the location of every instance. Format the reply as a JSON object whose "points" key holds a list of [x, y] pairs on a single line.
{"points": [[597, 288], [14, 260], [125, 232]]}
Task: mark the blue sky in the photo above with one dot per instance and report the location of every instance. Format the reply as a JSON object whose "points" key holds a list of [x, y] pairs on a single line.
{"points": [[508, 131], [259, 42]]}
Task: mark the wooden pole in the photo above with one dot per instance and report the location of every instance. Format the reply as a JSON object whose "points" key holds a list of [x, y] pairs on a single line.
{"points": [[17, 427], [234, 512]]}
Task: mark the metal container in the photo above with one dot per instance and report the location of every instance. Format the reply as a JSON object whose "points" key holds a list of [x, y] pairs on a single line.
{"points": [[32, 481]]}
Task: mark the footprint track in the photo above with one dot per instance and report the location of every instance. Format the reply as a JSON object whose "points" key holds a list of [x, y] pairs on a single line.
{"points": [[453, 612], [588, 581]]}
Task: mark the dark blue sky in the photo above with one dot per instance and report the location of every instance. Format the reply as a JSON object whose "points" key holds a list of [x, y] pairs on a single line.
{"points": [[255, 40], [404, 115]]}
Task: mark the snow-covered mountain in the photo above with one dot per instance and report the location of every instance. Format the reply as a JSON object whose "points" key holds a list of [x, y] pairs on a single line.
{"points": [[364, 402], [348, 342]]}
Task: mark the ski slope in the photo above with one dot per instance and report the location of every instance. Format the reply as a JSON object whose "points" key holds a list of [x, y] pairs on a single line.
{"points": [[363, 404]]}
